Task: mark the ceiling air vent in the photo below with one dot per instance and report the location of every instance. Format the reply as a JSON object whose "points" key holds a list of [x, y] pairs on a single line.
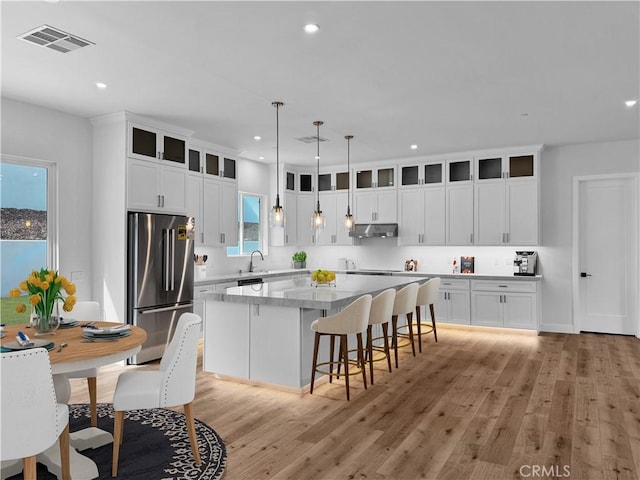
{"points": [[55, 39], [312, 139]]}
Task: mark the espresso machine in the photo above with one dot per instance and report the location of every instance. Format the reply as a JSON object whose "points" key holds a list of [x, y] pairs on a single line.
{"points": [[525, 263]]}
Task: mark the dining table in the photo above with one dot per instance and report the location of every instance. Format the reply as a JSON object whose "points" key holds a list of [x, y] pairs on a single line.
{"points": [[73, 352]]}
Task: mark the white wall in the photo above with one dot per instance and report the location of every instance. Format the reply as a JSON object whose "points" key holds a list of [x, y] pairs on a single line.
{"points": [[43, 134], [559, 166]]}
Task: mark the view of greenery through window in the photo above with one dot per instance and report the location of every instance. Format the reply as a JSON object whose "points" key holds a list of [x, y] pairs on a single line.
{"points": [[249, 221], [23, 230]]}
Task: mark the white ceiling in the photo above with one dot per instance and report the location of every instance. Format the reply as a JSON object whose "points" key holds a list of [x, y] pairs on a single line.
{"points": [[448, 76]]}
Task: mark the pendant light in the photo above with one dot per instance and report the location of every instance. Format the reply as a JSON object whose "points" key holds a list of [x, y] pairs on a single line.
{"points": [[348, 218], [276, 218], [318, 217]]}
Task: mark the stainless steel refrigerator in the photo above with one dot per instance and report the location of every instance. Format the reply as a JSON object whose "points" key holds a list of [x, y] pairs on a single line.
{"points": [[159, 278]]}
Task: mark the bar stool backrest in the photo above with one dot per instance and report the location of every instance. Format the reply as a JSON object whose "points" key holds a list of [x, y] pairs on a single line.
{"points": [[354, 318], [405, 301], [382, 307], [428, 292]]}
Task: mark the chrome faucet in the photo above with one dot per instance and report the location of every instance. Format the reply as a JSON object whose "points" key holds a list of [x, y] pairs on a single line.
{"points": [[251, 262]]}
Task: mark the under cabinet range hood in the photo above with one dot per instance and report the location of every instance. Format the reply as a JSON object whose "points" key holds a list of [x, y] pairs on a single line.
{"points": [[374, 230]]}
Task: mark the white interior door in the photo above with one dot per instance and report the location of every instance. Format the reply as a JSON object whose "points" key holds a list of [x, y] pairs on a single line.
{"points": [[608, 255]]}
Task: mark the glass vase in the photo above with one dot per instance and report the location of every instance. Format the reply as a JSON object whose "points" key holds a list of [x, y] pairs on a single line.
{"points": [[44, 324]]}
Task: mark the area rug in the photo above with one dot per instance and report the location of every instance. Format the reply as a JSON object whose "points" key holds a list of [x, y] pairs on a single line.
{"points": [[155, 446]]}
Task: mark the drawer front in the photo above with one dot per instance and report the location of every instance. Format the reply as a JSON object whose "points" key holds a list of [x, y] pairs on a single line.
{"points": [[454, 284], [498, 286]]}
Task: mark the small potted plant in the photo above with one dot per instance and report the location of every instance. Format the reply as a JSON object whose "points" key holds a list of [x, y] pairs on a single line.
{"points": [[299, 259]]}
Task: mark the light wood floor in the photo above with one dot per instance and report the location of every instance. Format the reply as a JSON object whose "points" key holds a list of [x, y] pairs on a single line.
{"points": [[479, 404]]}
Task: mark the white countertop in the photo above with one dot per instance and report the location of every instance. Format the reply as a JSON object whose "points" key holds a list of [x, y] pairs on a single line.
{"points": [[273, 274], [299, 292]]}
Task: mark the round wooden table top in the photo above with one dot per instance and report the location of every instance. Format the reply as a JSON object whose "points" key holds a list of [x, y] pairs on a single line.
{"points": [[79, 354]]}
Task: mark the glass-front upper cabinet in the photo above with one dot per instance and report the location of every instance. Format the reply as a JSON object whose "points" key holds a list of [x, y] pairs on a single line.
{"points": [[195, 160], [306, 182], [459, 171], [229, 168], [333, 181], [147, 143], [376, 178], [508, 166], [422, 174], [212, 164], [289, 181]]}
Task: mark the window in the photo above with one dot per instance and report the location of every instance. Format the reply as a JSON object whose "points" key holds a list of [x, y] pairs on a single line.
{"points": [[250, 223], [27, 230]]}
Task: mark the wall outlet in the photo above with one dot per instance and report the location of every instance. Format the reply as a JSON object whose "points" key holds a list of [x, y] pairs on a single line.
{"points": [[77, 277]]}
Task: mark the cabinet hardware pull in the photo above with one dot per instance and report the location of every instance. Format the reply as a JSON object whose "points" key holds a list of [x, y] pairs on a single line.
{"points": [[159, 155], [503, 286], [202, 237]]}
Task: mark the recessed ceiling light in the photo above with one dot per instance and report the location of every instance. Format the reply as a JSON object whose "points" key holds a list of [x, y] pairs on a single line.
{"points": [[101, 85], [260, 157], [414, 147], [630, 103], [257, 137], [311, 28]]}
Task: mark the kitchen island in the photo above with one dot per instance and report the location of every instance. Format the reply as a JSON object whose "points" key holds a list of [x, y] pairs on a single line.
{"points": [[261, 333]]}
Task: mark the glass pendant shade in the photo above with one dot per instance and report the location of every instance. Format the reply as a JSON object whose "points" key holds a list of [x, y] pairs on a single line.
{"points": [[318, 219], [276, 216], [348, 221]]}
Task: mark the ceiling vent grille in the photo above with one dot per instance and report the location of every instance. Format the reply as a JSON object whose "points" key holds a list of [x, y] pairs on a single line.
{"points": [[55, 39], [312, 139]]}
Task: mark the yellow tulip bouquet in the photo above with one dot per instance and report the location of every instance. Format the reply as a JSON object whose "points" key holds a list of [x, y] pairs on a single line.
{"points": [[44, 289]]}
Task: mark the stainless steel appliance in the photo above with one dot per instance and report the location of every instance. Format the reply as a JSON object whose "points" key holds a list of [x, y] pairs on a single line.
{"points": [[159, 278], [525, 263]]}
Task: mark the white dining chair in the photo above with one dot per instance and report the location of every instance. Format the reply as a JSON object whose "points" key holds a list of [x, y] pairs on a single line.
{"points": [[172, 385], [88, 312], [353, 319], [32, 418]]}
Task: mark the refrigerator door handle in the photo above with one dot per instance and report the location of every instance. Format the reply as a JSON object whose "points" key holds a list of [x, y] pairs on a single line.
{"points": [[172, 254], [167, 309], [165, 259]]}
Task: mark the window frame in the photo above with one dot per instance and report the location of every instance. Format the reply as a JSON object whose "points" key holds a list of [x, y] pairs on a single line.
{"points": [[263, 240], [53, 254]]}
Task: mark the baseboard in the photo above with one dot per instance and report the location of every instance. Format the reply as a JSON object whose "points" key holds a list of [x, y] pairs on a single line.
{"points": [[556, 328]]}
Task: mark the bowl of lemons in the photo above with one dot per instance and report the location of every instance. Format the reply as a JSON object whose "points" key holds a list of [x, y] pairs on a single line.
{"points": [[323, 277]]}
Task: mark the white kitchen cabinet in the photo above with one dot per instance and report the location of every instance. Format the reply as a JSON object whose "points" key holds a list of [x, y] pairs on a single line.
{"points": [[194, 205], [334, 180], [376, 206], [422, 216], [453, 305], [334, 207], [377, 177], [505, 304], [227, 342], [423, 173], [290, 218], [306, 207], [506, 204], [459, 214], [152, 186], [212, 197], [146, 143]]}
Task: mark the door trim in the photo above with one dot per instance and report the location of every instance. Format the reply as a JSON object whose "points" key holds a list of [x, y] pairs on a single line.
{"points": [[575, 246]]}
